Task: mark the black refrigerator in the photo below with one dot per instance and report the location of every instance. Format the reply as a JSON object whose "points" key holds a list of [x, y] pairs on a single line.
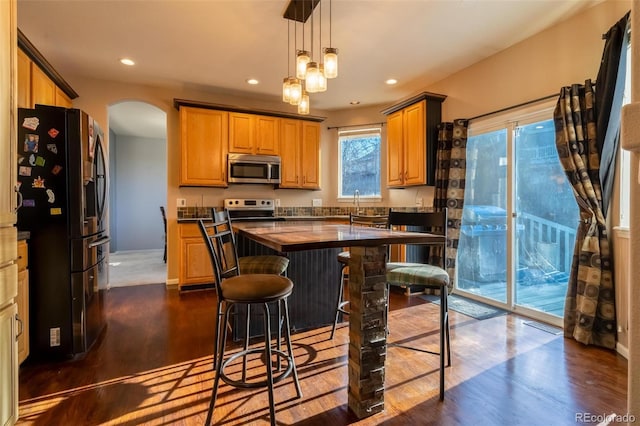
{"points": [[62, 180]]}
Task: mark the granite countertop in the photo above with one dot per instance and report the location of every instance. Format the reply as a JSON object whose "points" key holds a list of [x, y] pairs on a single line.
{"points": [[23, 235]]}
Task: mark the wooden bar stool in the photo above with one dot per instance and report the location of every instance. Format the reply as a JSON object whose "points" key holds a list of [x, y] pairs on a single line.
{"points": [[258, 289]]}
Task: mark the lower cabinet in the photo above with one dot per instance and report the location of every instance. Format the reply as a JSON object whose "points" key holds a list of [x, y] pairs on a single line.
{"points": [[195, 264], [8, 366]]}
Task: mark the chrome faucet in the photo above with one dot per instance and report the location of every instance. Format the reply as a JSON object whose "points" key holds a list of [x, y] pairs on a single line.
{"points": [[356, 200]]}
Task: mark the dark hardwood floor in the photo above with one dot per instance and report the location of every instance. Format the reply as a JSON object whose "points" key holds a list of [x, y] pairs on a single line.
{"points": [[153, 367]]}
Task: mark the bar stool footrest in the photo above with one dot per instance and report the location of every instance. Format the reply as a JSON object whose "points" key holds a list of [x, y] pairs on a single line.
{"points": [[259, 384]]}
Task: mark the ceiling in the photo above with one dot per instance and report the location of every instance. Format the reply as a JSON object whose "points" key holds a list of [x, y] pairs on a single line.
{"points": [[218, 44]]}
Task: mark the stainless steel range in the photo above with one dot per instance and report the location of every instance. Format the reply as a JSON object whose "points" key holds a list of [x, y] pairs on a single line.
{"points": [[251, 209]]}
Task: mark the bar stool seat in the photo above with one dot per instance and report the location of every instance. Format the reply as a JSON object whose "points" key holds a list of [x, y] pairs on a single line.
{"points": [[256, 288]]}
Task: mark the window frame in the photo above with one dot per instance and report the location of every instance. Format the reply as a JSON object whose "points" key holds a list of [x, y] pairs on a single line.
{"points": [[362, 131]]}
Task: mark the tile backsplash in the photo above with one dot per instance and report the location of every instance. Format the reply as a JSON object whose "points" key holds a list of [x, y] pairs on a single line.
{"points": [[197, 212]]}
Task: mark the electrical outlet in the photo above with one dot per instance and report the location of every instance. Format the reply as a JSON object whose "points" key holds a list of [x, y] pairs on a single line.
{"points": [[54, 336], [419, 202], [277, 202], [181, 202], [317, 202]]}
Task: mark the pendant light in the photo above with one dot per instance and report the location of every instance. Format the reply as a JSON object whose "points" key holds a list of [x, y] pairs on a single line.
{"points": [[286, 82], [295, 91], [330, 54], [303, 106], [312, 82]]}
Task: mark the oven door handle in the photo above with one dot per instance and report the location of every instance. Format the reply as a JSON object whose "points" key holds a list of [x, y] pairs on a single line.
{"points": [[99, 242]]}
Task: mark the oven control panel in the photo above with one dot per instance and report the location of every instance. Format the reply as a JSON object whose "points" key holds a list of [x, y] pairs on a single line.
{"points": [[249, 204]]}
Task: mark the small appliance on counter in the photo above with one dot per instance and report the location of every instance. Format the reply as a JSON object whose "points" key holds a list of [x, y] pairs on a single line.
{"points": [[62, 181]]}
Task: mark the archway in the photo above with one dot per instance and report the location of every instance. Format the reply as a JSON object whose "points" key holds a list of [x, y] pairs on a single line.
{"points": [[137, 189]]}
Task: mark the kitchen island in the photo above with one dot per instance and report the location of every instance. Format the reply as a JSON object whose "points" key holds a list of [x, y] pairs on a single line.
{"points": [[321, 241]]}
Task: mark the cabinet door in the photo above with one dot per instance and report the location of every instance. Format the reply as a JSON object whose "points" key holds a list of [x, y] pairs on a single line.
{"points": [[195, 265], [203, 147], [43, 90], [8, 366], [22, 303], [415, 154], [395, 150], [267, 135], [290, 134], [241, 133], [62, 99], [310, 155], [24, 80]]}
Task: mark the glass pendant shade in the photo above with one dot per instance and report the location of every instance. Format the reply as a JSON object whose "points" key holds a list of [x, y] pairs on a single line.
{"points": [[303, 106], [312, 80], [286, 89], [302, 59], [322, 80], [330, 62], [295, 91]]}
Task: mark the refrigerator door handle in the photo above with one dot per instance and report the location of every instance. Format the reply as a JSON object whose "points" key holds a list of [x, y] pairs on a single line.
{"points": [[99, 242], [15, 188]]}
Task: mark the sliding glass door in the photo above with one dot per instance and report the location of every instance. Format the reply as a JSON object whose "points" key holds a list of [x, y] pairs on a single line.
{"points": [[520, 216]]}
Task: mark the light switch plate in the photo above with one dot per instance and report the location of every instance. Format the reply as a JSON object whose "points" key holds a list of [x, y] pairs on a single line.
{"points": [[181, 202], [317, 202]]}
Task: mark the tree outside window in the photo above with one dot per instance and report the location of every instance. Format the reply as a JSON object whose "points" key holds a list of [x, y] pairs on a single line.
{"points": [[359, 163]]}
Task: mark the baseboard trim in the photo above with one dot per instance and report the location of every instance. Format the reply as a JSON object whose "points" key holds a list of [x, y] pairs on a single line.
{"points": [[172, 283], [622, 350]]}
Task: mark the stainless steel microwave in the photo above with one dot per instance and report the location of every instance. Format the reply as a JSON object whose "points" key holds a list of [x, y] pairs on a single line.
{"points": [[245, 168]]}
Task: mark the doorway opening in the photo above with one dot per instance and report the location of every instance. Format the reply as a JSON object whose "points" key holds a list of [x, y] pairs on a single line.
{"points": [[137, 190]]}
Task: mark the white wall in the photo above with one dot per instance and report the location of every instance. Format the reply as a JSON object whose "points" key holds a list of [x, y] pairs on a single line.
{"points": [[138, 189]]}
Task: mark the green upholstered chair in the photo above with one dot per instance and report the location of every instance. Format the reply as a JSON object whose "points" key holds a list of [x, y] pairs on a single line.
{"points": [[424, 275]]}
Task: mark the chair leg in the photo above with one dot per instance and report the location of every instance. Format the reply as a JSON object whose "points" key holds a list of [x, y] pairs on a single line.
{"points": [[217, 335], [290, 348], [218, 365], [279, 334], [443, 331], [339, 302], [268, 362], [246, 343], [448, 329]]}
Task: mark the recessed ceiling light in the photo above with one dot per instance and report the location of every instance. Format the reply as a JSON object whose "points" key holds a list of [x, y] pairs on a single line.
{"points": [[355, 102], [391, 81], [127, 61], [252, 81]]}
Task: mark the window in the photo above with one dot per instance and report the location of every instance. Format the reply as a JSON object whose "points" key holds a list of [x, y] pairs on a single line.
{"points": [[359, 163]]}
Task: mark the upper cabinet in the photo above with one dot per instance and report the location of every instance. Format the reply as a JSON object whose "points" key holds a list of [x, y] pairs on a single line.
{"points": [[203, 146], [300, 153], [412, 140], [253, 134], [38, 82], [208, 132]]}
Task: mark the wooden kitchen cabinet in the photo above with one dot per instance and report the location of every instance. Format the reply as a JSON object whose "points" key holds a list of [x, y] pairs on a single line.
{"points": [[300, 154], [22, 300], [195, 264], [203, 147], [412, 140], [35, 86], [253, 134]]}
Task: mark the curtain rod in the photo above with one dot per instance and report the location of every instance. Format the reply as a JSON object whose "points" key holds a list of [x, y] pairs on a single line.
{"points": [[555, 95], [354, 125]]}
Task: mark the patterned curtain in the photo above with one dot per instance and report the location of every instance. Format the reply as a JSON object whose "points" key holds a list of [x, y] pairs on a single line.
{"points": [[451, 165], [589, 313]]}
